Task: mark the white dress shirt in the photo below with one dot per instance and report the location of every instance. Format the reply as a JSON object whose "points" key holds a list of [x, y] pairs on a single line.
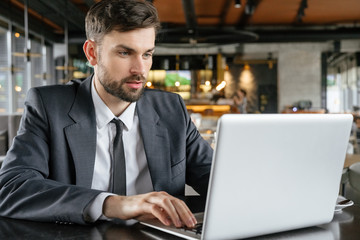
{"points": [[138, 178]]}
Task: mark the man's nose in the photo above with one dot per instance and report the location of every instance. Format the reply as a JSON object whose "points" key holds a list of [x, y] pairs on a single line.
{"points": [[138, 66]]}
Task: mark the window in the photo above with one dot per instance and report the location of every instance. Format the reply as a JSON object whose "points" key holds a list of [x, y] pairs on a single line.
{"points": [[4, 71], [19, 69]]}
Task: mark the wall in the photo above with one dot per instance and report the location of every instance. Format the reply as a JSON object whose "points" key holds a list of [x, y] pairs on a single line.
{"points": [[299, 77]]}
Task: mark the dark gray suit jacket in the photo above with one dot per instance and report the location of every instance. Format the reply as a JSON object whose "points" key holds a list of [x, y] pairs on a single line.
{"points": [[48, 171]]}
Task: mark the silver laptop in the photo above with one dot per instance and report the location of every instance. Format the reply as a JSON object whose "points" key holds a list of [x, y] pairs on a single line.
{"points": [[272, 173]]}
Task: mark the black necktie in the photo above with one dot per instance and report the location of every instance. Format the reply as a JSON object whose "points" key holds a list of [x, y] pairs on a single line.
{"points": [[118, 180]]}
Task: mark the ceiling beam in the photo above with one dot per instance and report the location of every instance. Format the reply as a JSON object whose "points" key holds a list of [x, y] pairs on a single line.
{"points": [[190, 16], [15, 15], [224, 12], [249, 10], [68, 11], [308, 35], [215, 35], [35, 14], [301, 11]]}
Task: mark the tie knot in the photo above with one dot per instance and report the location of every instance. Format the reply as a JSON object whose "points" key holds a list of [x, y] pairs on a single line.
{"points": [[118, 123]]}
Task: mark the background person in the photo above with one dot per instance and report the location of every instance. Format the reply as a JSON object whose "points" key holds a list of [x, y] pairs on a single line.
{"points": [[240, 100]]}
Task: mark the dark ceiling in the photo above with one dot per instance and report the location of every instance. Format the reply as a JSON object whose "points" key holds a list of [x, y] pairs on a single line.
{"points": [[206, 21]]}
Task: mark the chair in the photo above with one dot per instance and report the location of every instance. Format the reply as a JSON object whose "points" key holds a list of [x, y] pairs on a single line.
{"points": [[3, 134], [13, 126], [9, 125], [352, 188], [3, 142]]}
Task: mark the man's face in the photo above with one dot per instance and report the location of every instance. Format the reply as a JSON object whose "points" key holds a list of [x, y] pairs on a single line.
{"points": [[124, 61]]}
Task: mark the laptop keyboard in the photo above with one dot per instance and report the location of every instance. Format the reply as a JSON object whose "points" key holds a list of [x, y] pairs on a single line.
{"points": [[197, 229]]}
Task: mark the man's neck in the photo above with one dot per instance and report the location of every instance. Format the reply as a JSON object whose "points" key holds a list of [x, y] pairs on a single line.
{"points": [[116, 105]]}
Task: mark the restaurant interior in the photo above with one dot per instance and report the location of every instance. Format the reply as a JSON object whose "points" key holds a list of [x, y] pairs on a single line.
{"points": [[298, 56]]}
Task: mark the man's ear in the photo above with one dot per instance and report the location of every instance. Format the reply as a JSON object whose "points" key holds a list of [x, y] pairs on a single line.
{"points": [[89, 48]]}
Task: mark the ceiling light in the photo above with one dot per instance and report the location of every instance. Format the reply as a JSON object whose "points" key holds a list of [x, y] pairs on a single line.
{"points": [[237, 4], [220, 86]]}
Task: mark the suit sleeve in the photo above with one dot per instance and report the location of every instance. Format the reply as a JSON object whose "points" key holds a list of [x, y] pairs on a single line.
{"points": [[26, 191], [198, 156]]}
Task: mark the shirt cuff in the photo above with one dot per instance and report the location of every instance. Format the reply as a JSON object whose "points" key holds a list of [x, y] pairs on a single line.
{"points": [[93, 211]]}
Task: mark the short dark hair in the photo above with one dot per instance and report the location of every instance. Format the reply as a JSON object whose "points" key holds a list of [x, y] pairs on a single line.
{"points": [[243, 91], [120, 15]]}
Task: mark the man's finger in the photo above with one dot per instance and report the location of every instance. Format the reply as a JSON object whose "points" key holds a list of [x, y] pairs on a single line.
{"points": [[177, 210], [164, 201], [157, 212], [184, 212]]}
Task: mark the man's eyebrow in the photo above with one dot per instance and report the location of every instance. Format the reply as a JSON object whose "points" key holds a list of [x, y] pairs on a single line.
{"points": [[151, 49], [131, 49]]}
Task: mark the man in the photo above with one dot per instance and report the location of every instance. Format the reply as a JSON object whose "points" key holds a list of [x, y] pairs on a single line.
{"points": [[60, 168]]}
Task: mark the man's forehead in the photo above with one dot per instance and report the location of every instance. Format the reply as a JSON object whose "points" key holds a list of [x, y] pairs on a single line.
{"points": [[139, 38], [130, 48]]}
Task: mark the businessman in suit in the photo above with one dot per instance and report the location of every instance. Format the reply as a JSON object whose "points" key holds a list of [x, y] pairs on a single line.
{"points": [[61, 166]]}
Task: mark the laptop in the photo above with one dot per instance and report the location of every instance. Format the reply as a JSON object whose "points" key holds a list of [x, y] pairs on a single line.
{"points": [[272, 173]]}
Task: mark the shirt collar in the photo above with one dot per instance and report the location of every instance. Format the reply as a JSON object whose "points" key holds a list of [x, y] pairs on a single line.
{"points": [[104, 115]]}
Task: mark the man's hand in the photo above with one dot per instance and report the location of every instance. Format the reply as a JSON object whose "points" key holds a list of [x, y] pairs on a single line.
{"points": [[168, 209]]}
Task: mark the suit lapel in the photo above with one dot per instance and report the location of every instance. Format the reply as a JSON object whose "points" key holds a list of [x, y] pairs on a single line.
{"points": [[81, 135], [156, 144]]}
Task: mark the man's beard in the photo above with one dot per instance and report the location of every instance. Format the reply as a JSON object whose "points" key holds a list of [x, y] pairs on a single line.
{"points": [[117, 88]]}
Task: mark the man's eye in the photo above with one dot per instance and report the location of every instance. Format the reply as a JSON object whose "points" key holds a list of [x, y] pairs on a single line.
{"points": [[147, 55], [123, 53]]}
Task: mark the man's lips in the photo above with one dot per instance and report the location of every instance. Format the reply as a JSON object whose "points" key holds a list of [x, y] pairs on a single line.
{"points": [[134, 84]]}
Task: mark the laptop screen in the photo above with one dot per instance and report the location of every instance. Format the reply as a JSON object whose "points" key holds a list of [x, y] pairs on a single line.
{"points": [[275, 172]]}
